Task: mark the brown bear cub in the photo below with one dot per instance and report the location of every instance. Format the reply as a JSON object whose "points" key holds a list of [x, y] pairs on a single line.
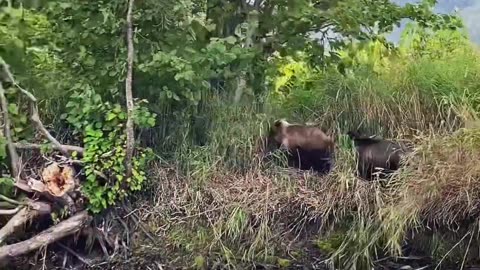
{"points": [[376, 155], [308, 147]]}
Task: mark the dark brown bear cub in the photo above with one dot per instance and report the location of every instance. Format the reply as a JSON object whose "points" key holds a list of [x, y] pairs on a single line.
{"points": [[377, 156]]}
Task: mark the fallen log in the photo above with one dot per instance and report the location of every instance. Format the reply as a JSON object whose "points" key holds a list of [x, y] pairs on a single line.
{"points": [[27, 213], [51, 235], [41, 189]]}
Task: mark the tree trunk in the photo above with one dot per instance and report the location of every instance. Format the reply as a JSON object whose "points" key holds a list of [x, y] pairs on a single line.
{"points": [[8, 135], [129, 94], [249, 39]]}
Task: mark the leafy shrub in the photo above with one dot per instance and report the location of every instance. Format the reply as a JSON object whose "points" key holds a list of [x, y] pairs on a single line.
{"points": [[102, 126]]}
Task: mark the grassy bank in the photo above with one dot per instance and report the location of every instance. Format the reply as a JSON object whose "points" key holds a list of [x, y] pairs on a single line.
{"points": [[216, 204]]}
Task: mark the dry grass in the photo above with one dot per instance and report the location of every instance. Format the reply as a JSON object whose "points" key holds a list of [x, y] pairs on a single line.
{"points": [[264, 215], [443, 179]]}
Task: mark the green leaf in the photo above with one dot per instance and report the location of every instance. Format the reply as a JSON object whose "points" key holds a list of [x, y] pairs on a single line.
{"points": [[117, 109], [13, 109], [111, 116], [151, 121]]}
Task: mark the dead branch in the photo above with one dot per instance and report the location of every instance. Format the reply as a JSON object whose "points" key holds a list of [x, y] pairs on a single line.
{"points": [[51, 235], [35, 116], [8, 73], [8, 135], [36, 119], [78, 256], [34, 146], [7, 212], [12, 201], [39, 188], [7, 205], [128, 93], [33, 210], [36, 185]]}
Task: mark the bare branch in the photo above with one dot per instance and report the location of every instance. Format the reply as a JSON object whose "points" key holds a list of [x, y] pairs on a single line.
{"points": [[51, 235], [33, 210], [36, 119], [80, 258], [7, 212], [7, 205], [128, 92], [6, 70], [69, 148], [36, 185], [8, 135], [35, 116], [12, 201]]}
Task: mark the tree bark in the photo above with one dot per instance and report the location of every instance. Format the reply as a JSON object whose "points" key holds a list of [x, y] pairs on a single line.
{"points": [[128, 93], [55, 233]]}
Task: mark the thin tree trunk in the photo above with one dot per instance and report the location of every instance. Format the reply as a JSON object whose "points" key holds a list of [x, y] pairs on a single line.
{"points": [[128, 92], [252, 19], [8, 135]]}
